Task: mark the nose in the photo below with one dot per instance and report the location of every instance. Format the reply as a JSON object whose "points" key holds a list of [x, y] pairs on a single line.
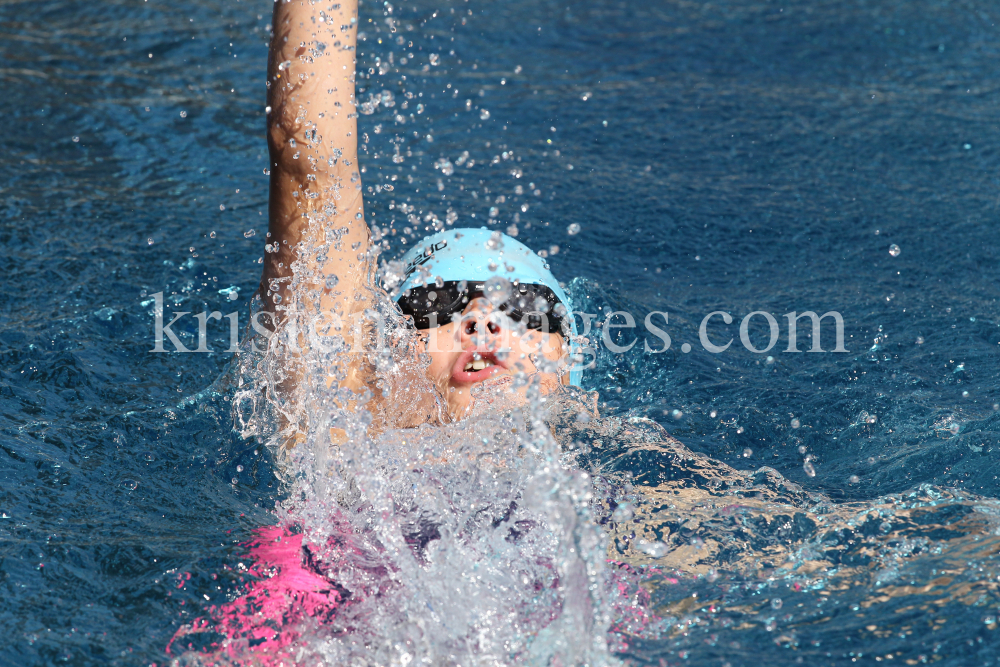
{"points": [[479, 324], [479, 328]]}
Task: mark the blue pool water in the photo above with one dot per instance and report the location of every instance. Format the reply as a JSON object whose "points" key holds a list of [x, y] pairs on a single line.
{"points": [[731, 156]]}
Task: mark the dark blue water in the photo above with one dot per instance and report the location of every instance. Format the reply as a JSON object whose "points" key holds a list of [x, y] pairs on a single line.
{"points": [[729, 156]]}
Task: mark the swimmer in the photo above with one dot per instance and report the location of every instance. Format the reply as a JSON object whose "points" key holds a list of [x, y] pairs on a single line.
{"points": [[475, 331], [661, 503]]}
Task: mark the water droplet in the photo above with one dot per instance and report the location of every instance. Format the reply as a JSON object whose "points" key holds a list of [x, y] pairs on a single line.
{"points": [[967, 147], [808, 468], [231, 293], [747, 453], [541, 305], [495, 242], [184, 114], [239, 468], [803, 449], [853, 479], [497, 290], [776, 603], [623, 513], [654, 549], [129, 484], [894, 250], [149, 241], [248, 233], [920, 340], [332, 280], [796, 423], [713, 414], [573, 229], [76, 140], [676, 414], [484, 114], [105, 313], [434, 58], [446, 166]]}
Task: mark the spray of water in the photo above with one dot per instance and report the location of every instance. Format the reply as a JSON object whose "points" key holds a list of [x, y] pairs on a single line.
{"points": [[484, 541], [467, 542]]}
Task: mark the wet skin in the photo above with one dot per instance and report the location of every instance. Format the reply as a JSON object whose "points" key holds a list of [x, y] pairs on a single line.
{"points": [[485, 335], [299, 79]]}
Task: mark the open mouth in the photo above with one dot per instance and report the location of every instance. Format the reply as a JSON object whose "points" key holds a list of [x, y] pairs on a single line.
{"points": [[476, 365]]}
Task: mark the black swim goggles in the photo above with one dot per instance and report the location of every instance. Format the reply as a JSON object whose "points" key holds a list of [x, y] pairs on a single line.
{"points": [[433, 306]]}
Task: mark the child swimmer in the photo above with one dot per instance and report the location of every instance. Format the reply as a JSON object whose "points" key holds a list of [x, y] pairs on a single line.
{"points": [[490, 310], [685, 512]]}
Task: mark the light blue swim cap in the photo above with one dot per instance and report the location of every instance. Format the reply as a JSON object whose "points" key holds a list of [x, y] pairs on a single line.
{"points": [[477, 255]]}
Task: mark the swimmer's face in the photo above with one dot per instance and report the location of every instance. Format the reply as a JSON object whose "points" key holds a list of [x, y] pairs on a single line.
{"points": [[485, 346]]}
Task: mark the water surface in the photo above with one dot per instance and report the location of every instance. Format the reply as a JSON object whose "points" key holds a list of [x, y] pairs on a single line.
{"points": [[736, 156]]}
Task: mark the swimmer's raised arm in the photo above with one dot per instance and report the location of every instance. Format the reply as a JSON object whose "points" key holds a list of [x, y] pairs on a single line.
{"points": [[317, 229], [315, 187]]}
